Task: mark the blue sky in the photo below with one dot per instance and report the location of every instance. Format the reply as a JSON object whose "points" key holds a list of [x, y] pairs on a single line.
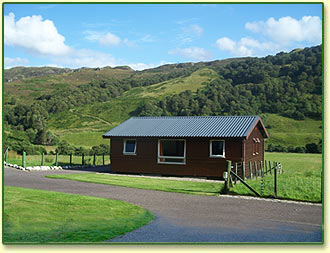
{"points": [[148, 35]]}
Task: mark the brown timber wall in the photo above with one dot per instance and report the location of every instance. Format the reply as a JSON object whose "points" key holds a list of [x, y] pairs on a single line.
{"points": [[250, 153], [198, 160]]}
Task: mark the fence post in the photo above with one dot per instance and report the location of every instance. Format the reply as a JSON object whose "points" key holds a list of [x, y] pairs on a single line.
{"points": [[236, 173], [256, 169], [227, 185], [103, 158], [265, 164], [82, 159], [275, 181], [262, 185], [42, 159], [250, 169], [94, 159], [261, 168], [270, 167], [70, 160], [56, 159], [6, 155], [243, 170], [24, 159]]}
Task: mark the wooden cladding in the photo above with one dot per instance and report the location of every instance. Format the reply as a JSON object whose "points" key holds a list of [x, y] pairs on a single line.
{"points": [[185, 156]]}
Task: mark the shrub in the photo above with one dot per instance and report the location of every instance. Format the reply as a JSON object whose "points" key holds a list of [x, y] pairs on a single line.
{"points": [[49, 159]]}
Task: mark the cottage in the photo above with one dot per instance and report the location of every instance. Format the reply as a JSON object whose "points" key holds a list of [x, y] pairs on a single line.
{"points": [[185, 146]]}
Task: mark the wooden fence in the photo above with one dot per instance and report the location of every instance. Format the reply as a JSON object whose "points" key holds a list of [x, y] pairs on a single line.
{"points": [[253, 170], [57, 160]]}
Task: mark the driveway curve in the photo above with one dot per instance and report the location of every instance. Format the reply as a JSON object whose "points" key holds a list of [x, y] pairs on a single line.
{"points": [[193, 218]]}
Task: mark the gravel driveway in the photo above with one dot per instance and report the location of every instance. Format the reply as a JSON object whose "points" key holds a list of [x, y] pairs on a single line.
{"points": [[194, 218]]}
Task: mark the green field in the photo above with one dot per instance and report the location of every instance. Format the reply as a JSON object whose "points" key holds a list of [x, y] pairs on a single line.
{"points": [[36, 216], [301, 180], [286, 131]]}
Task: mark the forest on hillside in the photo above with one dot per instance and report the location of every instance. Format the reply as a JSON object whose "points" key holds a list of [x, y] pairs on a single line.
{"points": [[289, 84]]}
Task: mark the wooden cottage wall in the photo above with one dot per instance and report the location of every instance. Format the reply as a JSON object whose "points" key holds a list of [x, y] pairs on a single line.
{"points": [[198, 160], [251, 156]]}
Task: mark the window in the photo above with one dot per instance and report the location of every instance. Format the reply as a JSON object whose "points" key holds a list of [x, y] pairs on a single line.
{"points": [[172, 151], [129, 147], [257, 146], [217, 148]]}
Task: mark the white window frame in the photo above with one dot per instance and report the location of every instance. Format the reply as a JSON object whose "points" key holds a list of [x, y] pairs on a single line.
{"points": [[173, 157], [224, 149], [254, 146], [257, 146], [129, 153]]}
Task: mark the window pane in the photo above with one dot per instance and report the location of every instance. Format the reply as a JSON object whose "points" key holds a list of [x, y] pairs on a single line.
{"points": [[217, 147], [130, 146], [171, 148]]}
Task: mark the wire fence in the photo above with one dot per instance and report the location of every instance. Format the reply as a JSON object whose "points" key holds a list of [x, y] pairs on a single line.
{"points": [[56, 160]]}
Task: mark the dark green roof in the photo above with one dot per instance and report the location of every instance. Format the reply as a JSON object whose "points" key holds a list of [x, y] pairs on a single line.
{"points": [[188, 126]]}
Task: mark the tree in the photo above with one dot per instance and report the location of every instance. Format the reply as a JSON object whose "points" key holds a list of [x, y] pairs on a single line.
{"points": [[64, 148]]}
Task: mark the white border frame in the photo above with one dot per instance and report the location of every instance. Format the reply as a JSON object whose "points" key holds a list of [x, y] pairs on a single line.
{"points": [[129, 153], [224, 149], [174, 157]]}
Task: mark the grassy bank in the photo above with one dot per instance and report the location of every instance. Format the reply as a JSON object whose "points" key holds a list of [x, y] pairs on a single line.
{"points": [[35, 216], [201, 188]]}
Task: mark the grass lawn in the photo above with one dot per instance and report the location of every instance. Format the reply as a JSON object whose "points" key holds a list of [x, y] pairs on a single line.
{"points": [[301, 179], [36, 216], [201, 188]]}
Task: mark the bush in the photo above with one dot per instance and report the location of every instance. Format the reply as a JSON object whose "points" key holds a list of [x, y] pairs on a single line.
{"points": [[64, 148], [49, 160], [313, 148], [299, 150]]}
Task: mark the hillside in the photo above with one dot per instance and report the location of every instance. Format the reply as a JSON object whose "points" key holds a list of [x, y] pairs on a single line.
{"points": [[286, 90]]}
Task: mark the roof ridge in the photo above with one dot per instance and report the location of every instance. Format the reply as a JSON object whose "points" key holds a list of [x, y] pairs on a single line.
{"points": [[198, 116]]}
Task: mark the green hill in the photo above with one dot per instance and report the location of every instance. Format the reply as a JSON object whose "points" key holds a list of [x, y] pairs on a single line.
{"points": [[48, 105]]}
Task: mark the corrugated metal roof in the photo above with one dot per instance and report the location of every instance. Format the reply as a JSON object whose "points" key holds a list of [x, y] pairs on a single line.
{"points": [[186, 126]]}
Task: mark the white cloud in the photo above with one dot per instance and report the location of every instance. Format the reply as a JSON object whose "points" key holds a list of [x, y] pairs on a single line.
{"points": [[12, 62], [277, 36], [226, 44], [109, 39], [142, 66], [192, 53], [287, 29], [246, 46], [148, 38], [194, 30], [85, 58], [189, 33], [34, 34]]}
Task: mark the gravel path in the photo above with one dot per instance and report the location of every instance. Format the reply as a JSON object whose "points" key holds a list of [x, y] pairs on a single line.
{"points": [[193, 218]]}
